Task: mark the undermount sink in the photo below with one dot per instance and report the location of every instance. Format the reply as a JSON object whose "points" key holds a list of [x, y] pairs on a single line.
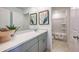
{"points": [[23, 35]]}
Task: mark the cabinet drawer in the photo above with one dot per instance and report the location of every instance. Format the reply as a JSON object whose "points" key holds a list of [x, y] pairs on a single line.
{"points": [[25, 46]]}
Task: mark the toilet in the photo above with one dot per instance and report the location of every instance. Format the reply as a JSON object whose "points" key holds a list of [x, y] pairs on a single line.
{"points": [[60, 36]]}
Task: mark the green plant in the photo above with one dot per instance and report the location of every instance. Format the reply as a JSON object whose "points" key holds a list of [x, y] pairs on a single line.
{"points": [[11, 27]]}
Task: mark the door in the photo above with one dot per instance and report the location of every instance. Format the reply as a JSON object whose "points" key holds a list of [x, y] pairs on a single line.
{"points": [[74, 30]]}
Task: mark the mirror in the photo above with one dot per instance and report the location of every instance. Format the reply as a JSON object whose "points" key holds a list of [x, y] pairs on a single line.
{"points": [[14, 16]]}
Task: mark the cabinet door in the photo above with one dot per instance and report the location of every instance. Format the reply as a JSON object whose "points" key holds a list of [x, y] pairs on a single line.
{"points": [[41, 45], [45, 44], [25, 46], [42, 42], [20, 48], [34, 48]]}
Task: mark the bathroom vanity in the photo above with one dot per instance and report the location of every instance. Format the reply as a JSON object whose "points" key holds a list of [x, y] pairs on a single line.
{"points": [[31, 41]]}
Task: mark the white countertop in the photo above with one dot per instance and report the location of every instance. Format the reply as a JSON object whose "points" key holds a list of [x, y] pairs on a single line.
{"points": [[20, 38]]}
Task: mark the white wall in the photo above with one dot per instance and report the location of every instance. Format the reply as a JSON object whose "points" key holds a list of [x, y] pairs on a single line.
{"points": [[18, 19], [4, 17], [26, 21], [14, 9], [47, 27]]}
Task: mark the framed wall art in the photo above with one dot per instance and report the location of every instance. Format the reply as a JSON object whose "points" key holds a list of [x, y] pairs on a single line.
{"points": [[33, 19], [44, 17]]}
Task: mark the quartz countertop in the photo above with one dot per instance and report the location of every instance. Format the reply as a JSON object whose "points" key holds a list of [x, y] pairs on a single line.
{"points": [[19, 38]]}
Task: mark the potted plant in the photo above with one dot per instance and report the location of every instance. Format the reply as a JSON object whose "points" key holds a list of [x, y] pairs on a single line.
{"points": [[4, 35], [12, 29]]}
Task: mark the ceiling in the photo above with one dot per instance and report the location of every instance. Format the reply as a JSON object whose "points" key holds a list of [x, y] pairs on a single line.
{"points": [[23, 8]]}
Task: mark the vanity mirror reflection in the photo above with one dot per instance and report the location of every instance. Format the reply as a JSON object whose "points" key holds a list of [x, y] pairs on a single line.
{"points": [[13, 16]]}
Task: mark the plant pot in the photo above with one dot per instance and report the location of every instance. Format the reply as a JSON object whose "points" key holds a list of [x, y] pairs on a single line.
{"points": [[12, 32], [4, 36]]}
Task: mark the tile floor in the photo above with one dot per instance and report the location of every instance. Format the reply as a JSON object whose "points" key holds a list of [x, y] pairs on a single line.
{"points": [[59, 46]]}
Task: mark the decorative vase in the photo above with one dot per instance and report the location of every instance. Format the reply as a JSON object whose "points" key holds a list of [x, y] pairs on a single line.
{"points": [[4, 36]]}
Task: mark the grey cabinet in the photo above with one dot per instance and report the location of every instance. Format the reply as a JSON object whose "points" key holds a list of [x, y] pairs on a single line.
{"points": [[34, 48], [25, 46], [43, 42], [20, 48], [37, 44]]}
